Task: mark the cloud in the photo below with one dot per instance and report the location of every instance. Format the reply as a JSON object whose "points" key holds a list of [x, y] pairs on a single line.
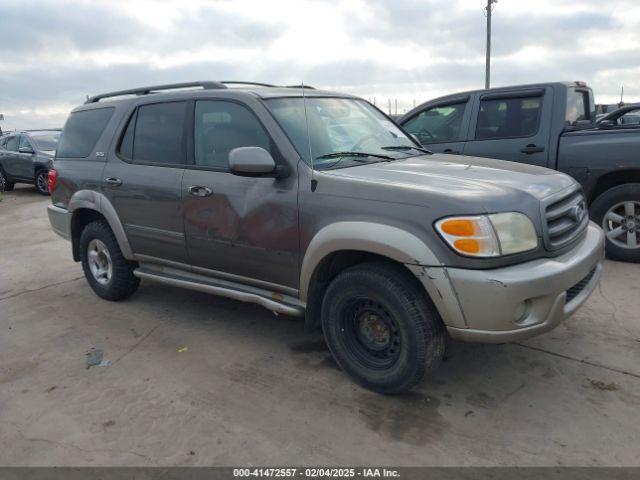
{"points": [[53, 54]]}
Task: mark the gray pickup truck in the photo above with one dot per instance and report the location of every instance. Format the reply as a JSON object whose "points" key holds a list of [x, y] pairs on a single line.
{"points": [[315, 204], [549, 125]]}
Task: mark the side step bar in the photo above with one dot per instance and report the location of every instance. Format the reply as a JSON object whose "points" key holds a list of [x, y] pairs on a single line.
{"points": [[226, 290]]}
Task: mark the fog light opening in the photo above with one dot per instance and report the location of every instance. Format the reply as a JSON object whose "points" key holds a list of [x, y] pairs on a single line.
{"points": [[521, 312]]}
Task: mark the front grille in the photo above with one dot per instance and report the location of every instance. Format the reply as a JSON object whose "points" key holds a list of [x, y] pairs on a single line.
{"points": [[574, 291], [566, 218]]}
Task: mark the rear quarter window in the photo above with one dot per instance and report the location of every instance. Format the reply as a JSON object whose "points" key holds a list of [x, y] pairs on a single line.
{"points": [[82, 131]]}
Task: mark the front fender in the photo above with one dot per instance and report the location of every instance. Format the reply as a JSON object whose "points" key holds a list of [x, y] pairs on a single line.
{"points": [[385, 240]]}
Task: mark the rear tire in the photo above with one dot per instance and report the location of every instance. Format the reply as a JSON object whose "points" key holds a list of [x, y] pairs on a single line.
{"points": [[381, 327], [618, 210], [42, 182], [109, 274], [5, 184]]}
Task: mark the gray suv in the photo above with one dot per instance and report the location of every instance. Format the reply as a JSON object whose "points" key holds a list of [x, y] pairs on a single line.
{"points": [[315, 204], [26, 157]]}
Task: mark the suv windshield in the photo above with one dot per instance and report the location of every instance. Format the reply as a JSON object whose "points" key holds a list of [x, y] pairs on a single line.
{"points": [[338, 127], [46, 143]]}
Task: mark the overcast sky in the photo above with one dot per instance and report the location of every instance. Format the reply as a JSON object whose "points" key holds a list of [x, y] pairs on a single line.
{"points": [[53, 54]]}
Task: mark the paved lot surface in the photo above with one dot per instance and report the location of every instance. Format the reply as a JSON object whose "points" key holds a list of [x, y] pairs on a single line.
{"points": [[253, 388]]}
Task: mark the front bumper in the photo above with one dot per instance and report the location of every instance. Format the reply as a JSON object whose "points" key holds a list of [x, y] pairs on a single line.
{"points": [[60, 220], [520, 301]]}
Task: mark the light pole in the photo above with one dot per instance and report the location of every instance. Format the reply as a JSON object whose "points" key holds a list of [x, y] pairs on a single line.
{"points": [[487, 71]]}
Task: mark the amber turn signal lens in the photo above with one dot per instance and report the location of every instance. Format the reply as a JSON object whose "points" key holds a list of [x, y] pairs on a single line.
{"points": [[467, 245], [459, 228]]}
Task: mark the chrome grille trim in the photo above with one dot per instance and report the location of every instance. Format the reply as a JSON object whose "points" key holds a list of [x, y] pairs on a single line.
{"points": [[559, 221]]}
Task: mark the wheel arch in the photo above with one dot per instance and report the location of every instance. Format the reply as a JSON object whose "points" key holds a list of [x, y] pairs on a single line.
{"points": [[87, 206], [344, 244], [614, 179]]}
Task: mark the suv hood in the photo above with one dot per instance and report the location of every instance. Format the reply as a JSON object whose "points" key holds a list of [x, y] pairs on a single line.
{"points": [[456, 175]]}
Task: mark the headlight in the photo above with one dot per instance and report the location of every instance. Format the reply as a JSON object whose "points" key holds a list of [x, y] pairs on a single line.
{"points": [[489, 235]]}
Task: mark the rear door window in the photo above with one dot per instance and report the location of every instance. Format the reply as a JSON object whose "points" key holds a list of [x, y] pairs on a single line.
{"points": [[82, 131], [508, 117], [155, 134], [12, 144], [438, 124]]}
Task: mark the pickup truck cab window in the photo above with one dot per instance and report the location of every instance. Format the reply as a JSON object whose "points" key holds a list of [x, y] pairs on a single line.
{"points": [[221, 126], [577, 106], [439, 124], [508, 117]]}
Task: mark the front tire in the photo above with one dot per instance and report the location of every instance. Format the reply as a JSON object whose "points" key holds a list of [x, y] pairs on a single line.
{"points": [[617, 211], [42, 182], [109, 274], [381, 327]]}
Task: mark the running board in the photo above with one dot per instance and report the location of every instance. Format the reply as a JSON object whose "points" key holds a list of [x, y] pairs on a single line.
{"points": [[211, 286]]}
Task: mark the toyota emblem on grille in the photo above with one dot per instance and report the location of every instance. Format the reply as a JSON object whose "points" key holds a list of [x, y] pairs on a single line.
{"points": [[577, 212]]}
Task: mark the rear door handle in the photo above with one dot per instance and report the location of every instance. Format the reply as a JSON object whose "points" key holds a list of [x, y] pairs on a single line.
{"points": [[453, 152], [114, 182], [531, 148], [199, 191]]}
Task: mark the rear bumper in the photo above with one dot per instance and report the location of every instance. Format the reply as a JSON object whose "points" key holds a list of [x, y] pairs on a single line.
{"points": [[517, 302], [60, 219]]}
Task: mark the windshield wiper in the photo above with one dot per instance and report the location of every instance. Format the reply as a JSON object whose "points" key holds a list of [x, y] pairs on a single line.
{"points": [[354, 154], [406, 147]]}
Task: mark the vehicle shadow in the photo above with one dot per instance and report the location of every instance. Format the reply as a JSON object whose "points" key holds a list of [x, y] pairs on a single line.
{"points": [[487, 373]]}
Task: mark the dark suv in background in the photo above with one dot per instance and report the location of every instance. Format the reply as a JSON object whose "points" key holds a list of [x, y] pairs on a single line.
{"points": [[26, 157]]}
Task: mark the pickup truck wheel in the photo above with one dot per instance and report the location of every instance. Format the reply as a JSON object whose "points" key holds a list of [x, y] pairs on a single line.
{"points": [[109, 274], [617, 211], [42, 182], [381, 328]]}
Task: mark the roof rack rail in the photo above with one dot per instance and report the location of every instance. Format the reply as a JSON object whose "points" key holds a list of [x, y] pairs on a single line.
{"points": [[207, 85], [256, 84]]}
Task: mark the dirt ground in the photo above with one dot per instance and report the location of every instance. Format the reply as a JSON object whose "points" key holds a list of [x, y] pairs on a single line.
{"points": [[200, 380]]}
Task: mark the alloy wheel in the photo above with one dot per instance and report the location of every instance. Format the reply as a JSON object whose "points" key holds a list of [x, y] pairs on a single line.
{"points": [[621, 224], [99, 261]]}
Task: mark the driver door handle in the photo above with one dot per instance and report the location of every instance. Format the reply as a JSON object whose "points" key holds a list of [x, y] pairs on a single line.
{"points": [[199, 191], [448, 150], [114, 182], [532, 148]]}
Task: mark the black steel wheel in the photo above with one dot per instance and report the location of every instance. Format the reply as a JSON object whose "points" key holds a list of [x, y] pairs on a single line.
{"points": [[381, 327]]}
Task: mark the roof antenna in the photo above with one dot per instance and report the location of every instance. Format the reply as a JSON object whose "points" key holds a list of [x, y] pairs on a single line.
{"points": [[314, 182]]}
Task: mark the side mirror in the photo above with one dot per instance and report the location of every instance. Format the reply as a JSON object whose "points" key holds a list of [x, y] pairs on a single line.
{"points": [[254, 162], [606, 124], [25, 150]]}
